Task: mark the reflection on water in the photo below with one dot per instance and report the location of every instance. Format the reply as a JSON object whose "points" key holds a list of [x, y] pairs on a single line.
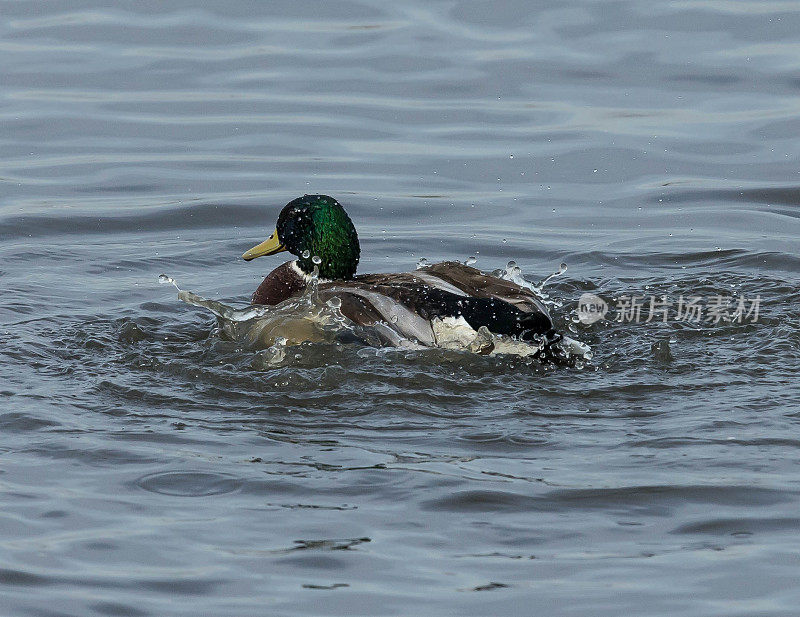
{"points": [[153, 464]]}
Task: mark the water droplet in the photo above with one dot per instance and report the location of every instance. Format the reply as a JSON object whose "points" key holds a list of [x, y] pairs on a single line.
{"points": [[471, 260], [305, 254], [511, 156], [422, 263], [505, 241], [394, 318], [316, 259], [562, 268], [334, 302], [511, 264]]}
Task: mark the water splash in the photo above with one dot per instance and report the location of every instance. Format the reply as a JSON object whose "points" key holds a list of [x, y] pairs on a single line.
{"points": [[513, 273], [163, 279], [271, 357], [561, 269], [311, 294], [221, 310], [304, 318], [314, 317]]}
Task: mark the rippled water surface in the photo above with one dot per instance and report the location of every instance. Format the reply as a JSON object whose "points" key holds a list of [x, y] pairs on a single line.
{"points": [[150, 466]]}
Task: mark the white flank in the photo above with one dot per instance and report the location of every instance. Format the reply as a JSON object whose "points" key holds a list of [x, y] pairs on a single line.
{"points": [[453, 332]]}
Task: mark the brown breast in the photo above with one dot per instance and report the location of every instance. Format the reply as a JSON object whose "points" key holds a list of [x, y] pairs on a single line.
{"points": [[279, 285]]}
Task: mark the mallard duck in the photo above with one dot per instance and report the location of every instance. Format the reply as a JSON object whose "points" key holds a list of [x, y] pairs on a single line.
{"points": [[404, 306]]}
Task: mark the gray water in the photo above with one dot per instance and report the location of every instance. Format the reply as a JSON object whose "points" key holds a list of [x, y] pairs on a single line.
{"points": [[150, 466]]}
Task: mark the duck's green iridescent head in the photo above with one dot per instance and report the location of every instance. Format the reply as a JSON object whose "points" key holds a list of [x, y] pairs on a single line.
{"points": [[314, 226]]}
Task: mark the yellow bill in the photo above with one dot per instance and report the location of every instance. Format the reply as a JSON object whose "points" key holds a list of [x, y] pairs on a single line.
{"points": [[270, 246]]}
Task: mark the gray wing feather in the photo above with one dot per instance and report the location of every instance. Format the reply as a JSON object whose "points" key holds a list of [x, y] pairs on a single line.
{"points": [[478, 284], [396, 315]]}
